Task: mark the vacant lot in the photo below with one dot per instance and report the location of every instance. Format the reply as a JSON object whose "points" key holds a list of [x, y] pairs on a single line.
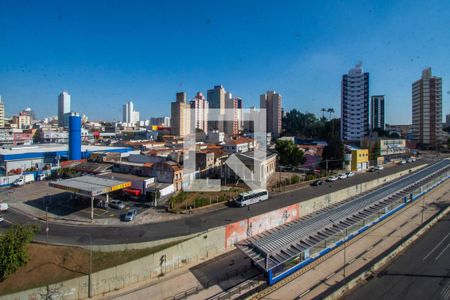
{"points": [[50, 264]]}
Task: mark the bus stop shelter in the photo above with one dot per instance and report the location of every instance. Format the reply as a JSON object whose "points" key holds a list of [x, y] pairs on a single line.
{"points": [[91, 187]]}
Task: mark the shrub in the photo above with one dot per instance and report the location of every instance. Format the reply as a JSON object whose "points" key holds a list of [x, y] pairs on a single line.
{"points": [[295, 179]]}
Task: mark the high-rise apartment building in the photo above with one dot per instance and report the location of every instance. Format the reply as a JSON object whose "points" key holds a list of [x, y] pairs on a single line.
{"points": [[2, 113], [427, 110], [180, 116], [216, 102], [271, 101], [199, 112], [447, 120], [355, 104], [231, 124], [63, 107], [129, 115], [377, 112]]}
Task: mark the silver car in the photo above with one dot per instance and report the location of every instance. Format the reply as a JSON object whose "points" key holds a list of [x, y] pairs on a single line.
{"points": [[129, 216], [117, 204]]}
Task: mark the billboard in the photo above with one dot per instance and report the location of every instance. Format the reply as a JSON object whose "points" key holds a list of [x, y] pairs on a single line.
{"points": [[244, 229]]}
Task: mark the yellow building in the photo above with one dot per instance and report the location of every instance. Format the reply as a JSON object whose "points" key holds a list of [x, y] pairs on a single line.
{"points": [[360, 159]]}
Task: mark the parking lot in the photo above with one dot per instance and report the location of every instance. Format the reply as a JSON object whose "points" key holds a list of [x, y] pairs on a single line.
{"points": [[38, 199]]}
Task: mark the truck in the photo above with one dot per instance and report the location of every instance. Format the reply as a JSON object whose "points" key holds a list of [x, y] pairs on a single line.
{"points": [[25, 178], [3, 206]]}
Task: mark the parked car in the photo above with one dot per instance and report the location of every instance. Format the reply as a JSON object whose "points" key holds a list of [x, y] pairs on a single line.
{"points": [[409, 160], [3, 206], [372, 169], [2, 219], [402, 162], [317, 182], [129, 216], [379, 168], [117, 204], [343, 176], [332, 178], [350, 174]]}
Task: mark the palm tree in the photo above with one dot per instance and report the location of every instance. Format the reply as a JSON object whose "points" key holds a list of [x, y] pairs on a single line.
{"points": [[330, 111], [323, 110]]}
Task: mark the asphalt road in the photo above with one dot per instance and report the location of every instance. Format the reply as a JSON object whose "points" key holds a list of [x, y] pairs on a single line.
{"points": [[422, 272], [128, 233]]}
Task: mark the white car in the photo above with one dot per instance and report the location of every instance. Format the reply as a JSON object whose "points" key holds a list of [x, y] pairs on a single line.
{"points": [[2, 219], [379, 168], [402, 162], [350, 174], [332, 178], [343, 176]]}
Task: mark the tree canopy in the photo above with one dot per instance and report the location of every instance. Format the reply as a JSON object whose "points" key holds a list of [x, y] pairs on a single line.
{"points": [[307, 125], [289, 154], [13, 253], [334, 152]]}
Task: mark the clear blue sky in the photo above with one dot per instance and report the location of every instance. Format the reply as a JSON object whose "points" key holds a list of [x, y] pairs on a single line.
{"points": [[107, 52]]}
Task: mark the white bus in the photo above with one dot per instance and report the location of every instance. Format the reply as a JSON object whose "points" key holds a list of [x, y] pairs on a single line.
{"points": [[251, 197]]}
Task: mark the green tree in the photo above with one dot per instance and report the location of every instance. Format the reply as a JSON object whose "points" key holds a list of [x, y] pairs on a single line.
{"points": [[334, 152], [289, 154], [13, 252]]}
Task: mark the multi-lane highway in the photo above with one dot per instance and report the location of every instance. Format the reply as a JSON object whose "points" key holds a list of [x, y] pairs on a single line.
{"points": [[422, 272], [101, 235]]}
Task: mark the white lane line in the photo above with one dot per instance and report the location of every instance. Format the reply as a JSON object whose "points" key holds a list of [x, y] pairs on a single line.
{"points": [[442, 252], [331, 275], [432, 250]]}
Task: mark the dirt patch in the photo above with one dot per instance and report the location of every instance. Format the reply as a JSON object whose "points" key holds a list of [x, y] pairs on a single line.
{"points": [[51, 264]]}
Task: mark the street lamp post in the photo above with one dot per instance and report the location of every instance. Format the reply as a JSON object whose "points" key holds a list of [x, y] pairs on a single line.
{"points": [[345, 246], [90, 266]]}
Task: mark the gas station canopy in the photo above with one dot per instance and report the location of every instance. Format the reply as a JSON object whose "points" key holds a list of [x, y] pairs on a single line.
{"points": [[91, 186]]}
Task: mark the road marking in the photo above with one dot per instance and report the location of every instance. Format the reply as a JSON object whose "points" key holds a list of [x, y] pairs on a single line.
{"points": [[442, 252], [331, 275], [432, 250], [304, 293]]}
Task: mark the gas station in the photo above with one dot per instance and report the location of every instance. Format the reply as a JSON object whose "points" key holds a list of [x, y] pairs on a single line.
{"points": [[91, 187]]}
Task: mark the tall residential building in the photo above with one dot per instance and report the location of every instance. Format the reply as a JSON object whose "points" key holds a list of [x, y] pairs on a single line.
{"points": [[199, 112], [271, 101], [129, 115], [427, 109], [216, 102], [447, 120], [180, 116], [377, 112], [63, 107], [355, 104], [2, 113], [231, 124]]}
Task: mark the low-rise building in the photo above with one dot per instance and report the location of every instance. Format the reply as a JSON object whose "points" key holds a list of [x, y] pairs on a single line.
{"points": [[168, 172], [387, 148], [360, 160], [239, 145]]}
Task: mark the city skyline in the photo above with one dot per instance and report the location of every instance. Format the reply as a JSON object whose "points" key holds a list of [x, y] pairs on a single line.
{"points": [[304, 63]]}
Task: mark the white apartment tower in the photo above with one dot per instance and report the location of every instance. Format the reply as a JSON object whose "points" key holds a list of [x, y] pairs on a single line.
{"points": [[427, 110], [63, 107], [199, 109], [129, 115], [355, 104], [2, 113], [271, 101]]}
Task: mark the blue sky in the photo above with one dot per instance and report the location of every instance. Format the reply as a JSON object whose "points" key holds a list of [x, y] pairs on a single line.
{"points": [[108, 52]]}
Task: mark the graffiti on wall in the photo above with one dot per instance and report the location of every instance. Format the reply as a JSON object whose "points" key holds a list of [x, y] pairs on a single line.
{"points": [[243, 229]]}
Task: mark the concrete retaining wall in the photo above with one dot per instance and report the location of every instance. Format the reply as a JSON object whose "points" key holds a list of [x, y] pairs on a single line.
{"points": [[195, 249]]}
